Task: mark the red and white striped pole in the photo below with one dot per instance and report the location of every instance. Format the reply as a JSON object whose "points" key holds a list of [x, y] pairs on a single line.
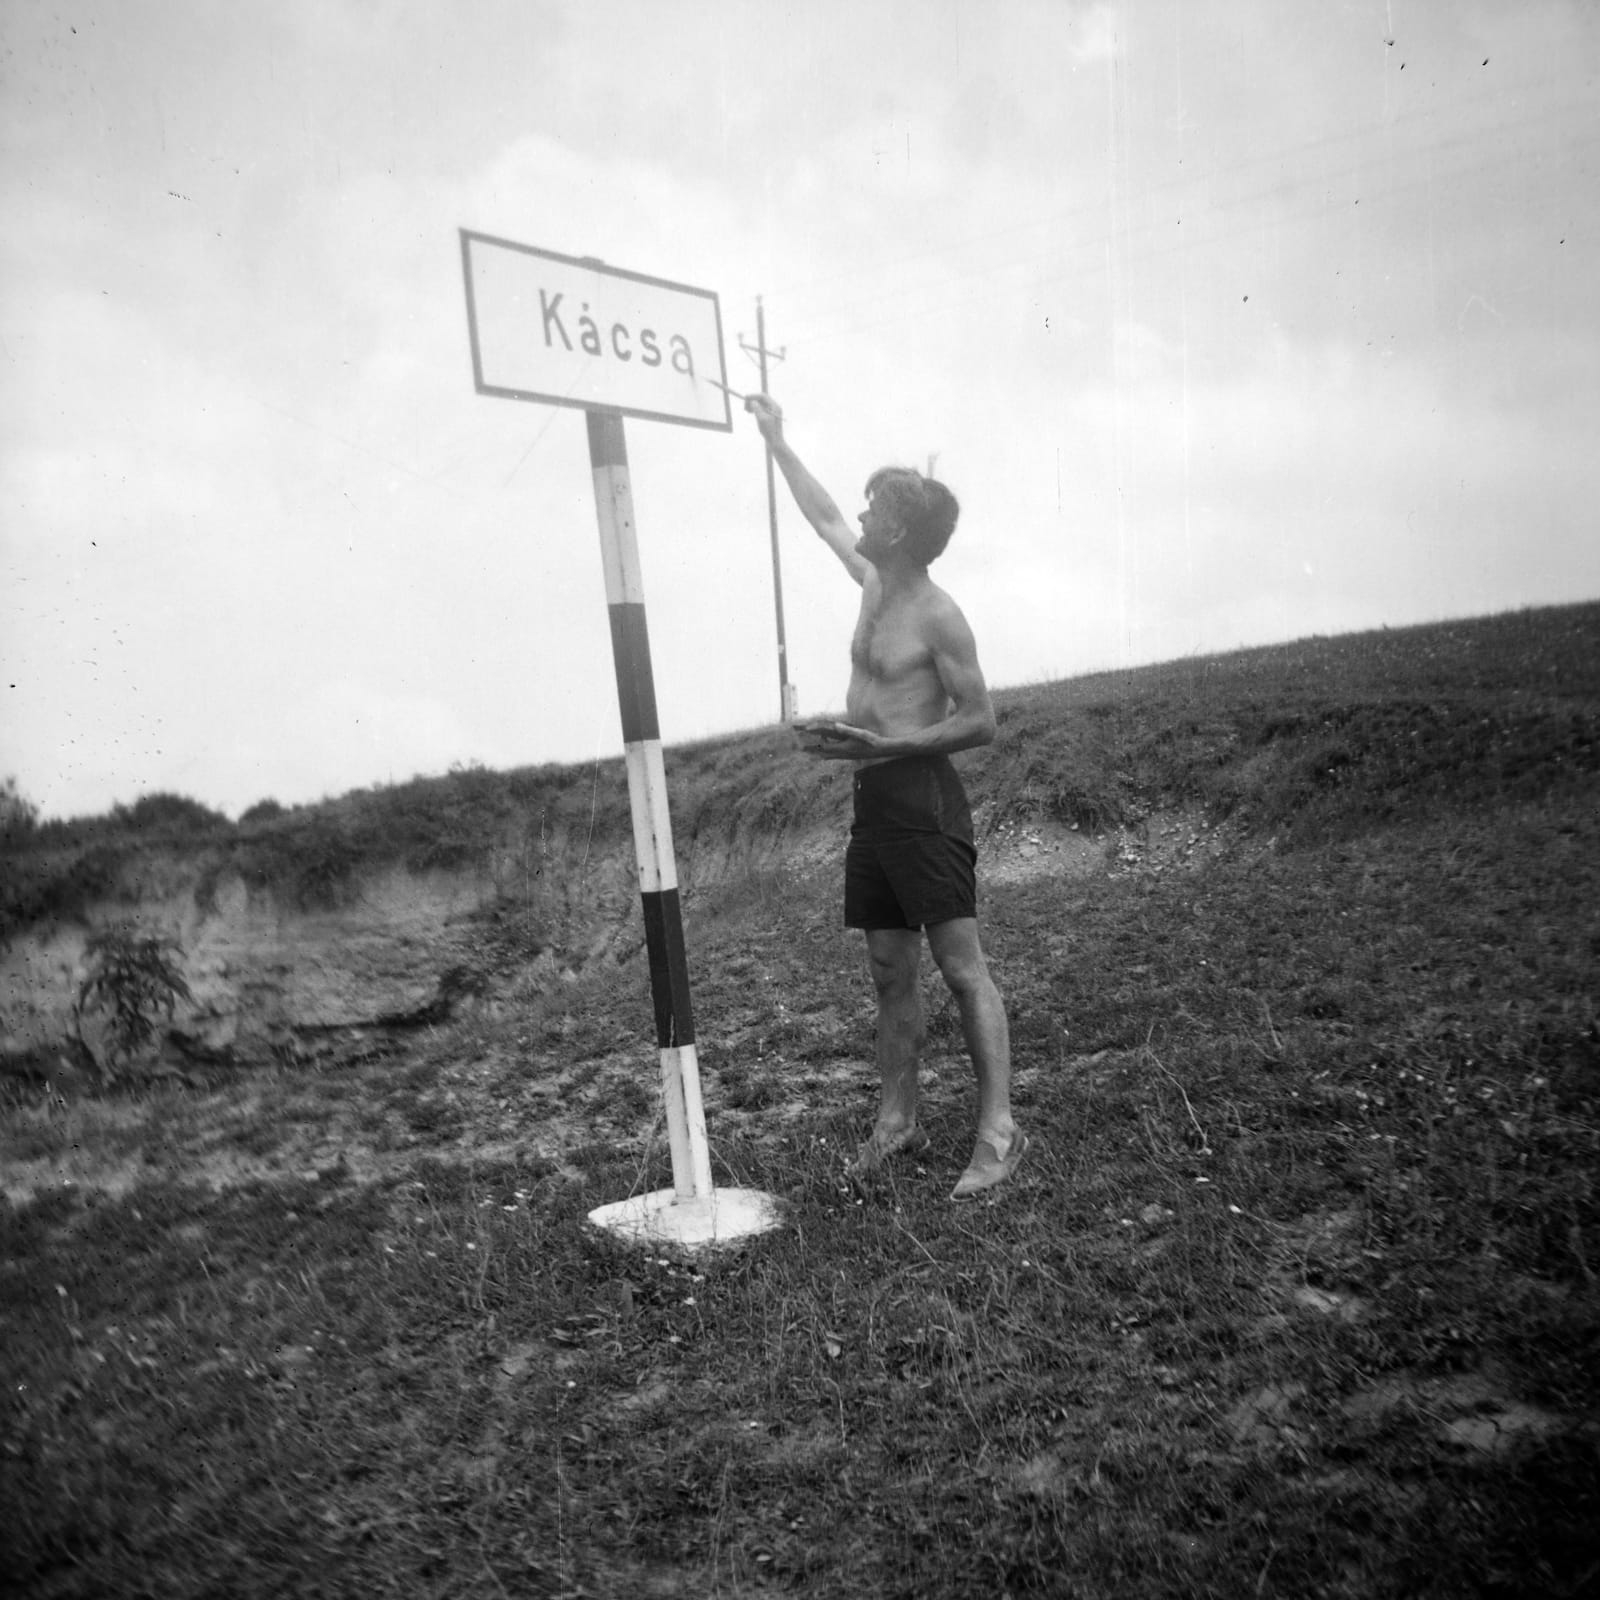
{"points": [[652, 824], [529, 355]]}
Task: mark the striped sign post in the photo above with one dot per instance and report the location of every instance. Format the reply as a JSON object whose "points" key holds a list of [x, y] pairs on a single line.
{"points": [[652, 823], [644, 348]]}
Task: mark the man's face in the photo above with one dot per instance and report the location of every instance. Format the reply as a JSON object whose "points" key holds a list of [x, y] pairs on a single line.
{"points": [[878, 530]]}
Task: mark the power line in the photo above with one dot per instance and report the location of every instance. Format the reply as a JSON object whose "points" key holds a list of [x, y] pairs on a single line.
{"points": [[1503, 150], [1139, 244]]}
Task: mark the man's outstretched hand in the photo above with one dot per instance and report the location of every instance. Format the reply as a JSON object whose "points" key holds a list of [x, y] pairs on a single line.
{"points": [[839, 741], [768, 414]]}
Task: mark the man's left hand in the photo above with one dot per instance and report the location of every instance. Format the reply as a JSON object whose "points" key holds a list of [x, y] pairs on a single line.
{"points": [[840, 741]]}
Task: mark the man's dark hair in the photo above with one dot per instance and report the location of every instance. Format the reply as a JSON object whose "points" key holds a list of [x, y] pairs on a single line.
{"points": [[922, 506]]}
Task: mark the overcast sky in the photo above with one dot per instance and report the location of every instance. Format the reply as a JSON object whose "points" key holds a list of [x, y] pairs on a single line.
{"points": [[1228, 321]]}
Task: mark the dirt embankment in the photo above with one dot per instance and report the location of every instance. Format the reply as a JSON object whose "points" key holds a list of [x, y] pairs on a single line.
{"points": [[269, 977], [273, 980], [261, 973]]}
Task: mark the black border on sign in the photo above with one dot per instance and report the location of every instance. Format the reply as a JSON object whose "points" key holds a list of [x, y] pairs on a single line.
{"points": [[469, 234]]}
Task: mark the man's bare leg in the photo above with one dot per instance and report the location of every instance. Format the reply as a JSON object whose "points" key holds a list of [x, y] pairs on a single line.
{"points": [[959, 952], [895, 956]]}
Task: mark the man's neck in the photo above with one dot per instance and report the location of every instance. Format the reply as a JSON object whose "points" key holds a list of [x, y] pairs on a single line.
{"points": [[900, 578]]}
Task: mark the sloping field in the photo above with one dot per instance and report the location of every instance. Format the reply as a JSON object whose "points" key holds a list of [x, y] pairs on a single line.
{"points": [[1296, 1295]]}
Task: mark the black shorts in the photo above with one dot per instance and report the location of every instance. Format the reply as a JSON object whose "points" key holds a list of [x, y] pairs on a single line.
{"points": [[911, 859]]}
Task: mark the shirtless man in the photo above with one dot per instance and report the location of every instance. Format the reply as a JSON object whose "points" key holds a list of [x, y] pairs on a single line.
{"points": [[917, 695]]}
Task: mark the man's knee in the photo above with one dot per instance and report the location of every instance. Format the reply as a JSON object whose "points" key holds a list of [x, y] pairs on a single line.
{"points": [[967, 978], [893, 964], [893, 979], [959, 955]]}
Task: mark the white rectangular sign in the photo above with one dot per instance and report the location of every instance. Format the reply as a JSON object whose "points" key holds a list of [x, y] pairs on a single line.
{"points": [[573, 332]]}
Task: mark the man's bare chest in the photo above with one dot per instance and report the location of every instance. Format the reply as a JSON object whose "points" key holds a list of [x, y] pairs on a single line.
{"points": [[889, 643]]}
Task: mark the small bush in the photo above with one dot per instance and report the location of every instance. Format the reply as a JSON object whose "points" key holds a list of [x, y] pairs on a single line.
{"points": [[170, 814], [19, 816], [261, 811], [36, 885], [136, 981], [312, 858]]}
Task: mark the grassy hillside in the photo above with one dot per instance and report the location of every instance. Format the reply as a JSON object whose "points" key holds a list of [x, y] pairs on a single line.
{"points": [[1308, 741], [1297, 1295]]}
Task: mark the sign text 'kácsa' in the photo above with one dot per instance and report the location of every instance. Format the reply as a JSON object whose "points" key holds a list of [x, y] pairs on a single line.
{"points": [[572, 331], [621, 337]]}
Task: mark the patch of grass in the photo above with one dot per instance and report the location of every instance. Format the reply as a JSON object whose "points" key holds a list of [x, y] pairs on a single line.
{"points": [[1297, 1295], [1316, 740], [1319, 739], [38, 882], [1345, 1161], [59, 868]]}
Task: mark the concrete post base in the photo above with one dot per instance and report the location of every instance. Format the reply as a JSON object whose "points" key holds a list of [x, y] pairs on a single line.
{"points": [[663, 1219]]}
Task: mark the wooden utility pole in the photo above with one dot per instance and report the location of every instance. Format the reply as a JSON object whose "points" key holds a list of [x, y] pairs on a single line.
{"points": [[786, 694]]}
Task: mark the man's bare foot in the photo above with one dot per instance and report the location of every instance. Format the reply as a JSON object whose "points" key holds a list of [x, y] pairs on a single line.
{"points": [[994, 1159], [872, 1155]]}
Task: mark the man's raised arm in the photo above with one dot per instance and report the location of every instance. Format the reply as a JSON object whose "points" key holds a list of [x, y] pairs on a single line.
{"points": [[816, 505]]}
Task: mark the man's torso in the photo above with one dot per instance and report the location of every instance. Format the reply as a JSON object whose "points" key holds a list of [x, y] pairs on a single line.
{"points": [[894, 680]]}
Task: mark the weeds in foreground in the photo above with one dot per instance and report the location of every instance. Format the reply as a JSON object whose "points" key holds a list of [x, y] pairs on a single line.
{"points": [[1296, 1298]]}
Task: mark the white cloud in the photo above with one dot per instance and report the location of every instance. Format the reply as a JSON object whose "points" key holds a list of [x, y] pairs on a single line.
{"points": [[247, 487], [1093, 35]]}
